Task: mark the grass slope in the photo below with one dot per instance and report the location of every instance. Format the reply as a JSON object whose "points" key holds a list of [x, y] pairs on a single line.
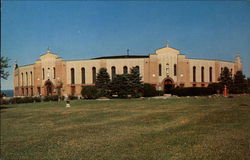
{"points": [[183, 128]]}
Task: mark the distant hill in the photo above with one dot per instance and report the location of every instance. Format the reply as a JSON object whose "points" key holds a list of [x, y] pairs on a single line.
{"points": [[8, 93]]}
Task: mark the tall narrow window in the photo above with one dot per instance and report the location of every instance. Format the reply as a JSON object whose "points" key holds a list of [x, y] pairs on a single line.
{"points": [[113, 72], [43, 74], [175, 70], [27, 82], [125, 70], [160, 70], [202, 74], [22, 78], [31, 78], [54, 71], [72, 75], [231, 71], [83, 75], [138, 68], [94, 74], [194, 74], [210, 74], [221, 69]]}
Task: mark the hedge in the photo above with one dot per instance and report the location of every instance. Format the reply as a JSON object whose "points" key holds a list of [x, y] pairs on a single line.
{"points": [[89, 92], [51, 98], [149, 90]]}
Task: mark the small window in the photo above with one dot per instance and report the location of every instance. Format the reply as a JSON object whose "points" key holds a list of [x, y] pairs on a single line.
{"points": [[113, 71], [27, 79], [43, 73], [175, 70], [31, 79], [72, 75], [125, 70], [138, 68], [210, 74], [94, 75], [202, 74], [54, 70], [194, 74], [83, 75], [160, 72], [22, 78]]}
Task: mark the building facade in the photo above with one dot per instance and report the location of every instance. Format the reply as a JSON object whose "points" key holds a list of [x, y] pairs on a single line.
{"points": [[167, 67]]}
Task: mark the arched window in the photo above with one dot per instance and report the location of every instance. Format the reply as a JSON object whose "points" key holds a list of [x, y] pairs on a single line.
{"points": [[113, 72], [160, 73], [72, 71], [125, 70], [210, 74], [54, 71], [138, 68], [27, 82], [22, 78], [231, 71], [202, 74], [194, 74], [31, 78], [83, 75], [221, 69], [94, 74], [43, 74], [175, 70]]}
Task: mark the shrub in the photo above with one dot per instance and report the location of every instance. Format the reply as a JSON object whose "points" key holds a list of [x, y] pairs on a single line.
{"points": [[137, 95], [89, 92], [191, 91], [51, 98], [28, 100], [149, 90], [37, 99], [160, 93], [16, 100], [72, 97], [215, 88], [4, 101]]}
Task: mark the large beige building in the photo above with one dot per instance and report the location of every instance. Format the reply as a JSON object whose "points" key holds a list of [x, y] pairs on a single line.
{"points": [[51, 74]]}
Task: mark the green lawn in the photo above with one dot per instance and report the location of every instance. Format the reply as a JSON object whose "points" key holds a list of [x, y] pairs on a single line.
{"points": [[181, 128]]}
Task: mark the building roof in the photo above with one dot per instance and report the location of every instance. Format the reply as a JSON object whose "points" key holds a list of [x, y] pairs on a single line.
{"points": [[122, 56]]}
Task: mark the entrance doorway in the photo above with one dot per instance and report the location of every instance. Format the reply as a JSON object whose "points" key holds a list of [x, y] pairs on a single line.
{"points": [[48, 87], [168, 85]]}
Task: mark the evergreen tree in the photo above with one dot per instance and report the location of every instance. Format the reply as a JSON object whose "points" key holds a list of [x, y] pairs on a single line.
{"points": [[103, 81], [225, 78], [239, 78], [120, 85], [4, 65], [239, 84], [135, 80]]}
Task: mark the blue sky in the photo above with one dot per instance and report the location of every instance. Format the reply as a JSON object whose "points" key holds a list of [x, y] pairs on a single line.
{"points": [[85, 29]]}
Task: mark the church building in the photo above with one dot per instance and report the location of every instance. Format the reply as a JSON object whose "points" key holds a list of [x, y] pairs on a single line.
{"points": [[166, 68]]}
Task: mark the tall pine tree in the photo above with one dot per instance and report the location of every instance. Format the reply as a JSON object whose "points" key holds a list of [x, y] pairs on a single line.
{"points": [[135, 79], [239, 84], [225, 78], [103, 81]]}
